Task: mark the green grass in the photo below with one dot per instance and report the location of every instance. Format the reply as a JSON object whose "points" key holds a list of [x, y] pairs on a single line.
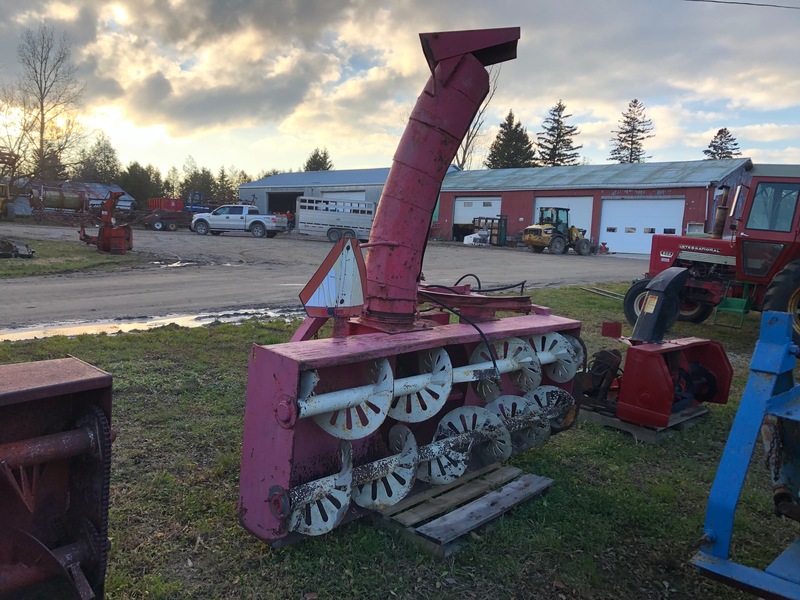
{"points": [[620, 521], [54, 258]]}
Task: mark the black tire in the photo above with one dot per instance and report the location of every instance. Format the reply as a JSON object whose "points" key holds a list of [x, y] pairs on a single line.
{"points": [[216, 233], [694, 312], [583, 247], [783, 295], [558, 245], [537, 249], [201, 228], [334, 235], [272, 234], [172, 227], [158, 226], [349, 233], [634, 300], [258, 230]]}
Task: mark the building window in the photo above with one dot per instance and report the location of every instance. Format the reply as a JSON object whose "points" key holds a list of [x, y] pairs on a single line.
{"points": [[649, 229], [466, 204], [669, 231], [611, 229], [630, 230], [488, 204]]}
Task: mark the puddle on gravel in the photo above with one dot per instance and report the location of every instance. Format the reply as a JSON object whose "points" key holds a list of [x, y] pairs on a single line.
{"points": [[123, 326]]}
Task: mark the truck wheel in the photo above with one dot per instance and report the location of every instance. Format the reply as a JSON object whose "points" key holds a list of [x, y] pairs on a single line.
{"points": [[172, 227], [634, 300], [537, 249], [272, 234], [215, 232], [334, 235], [258, 230], [158, 226], [783, 295], [694, 312], [349, 233], [583, 247], [558, 245], [201, 228]]}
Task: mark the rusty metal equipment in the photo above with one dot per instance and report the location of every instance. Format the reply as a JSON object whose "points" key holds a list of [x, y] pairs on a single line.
{"points": [[399, 397], [661, 378], [111, 237], [55, 458], [771, 404]]}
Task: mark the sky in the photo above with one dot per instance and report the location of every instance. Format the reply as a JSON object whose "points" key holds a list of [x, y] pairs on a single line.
{"points": [[258, 85]]}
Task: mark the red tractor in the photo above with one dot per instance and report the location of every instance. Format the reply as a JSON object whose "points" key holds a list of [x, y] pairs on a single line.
{"points": [[756, 267]]}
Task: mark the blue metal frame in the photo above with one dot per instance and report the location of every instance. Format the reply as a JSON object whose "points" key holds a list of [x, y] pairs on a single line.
{"points": [[771, 390]]}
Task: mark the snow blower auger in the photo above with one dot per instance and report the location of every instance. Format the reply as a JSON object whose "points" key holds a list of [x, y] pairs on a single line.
{"points": [[399, 395], [55, 461], [770, 404]]}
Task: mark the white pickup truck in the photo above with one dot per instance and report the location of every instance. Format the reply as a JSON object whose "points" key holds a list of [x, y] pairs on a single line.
{"points": [[239, 217]]}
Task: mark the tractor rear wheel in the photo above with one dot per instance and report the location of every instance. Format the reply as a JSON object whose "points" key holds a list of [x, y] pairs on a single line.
{"points": [[694, 312], [558, 245], [633, 304], [783, 294]]}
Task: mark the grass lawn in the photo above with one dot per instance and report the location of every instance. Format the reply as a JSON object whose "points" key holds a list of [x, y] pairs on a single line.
{"points": [[620, 521], [55, 258]]}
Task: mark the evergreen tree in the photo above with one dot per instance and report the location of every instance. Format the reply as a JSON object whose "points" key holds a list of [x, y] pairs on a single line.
{"points": [[723, 145], [225, 189], [98, 164], [172, 185], [512, 148], [141, 182], [555, 142], [319, 160], [634, 129]]}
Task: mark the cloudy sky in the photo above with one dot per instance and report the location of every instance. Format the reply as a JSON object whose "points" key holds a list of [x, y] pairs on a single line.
{"points": [[259, 85]]}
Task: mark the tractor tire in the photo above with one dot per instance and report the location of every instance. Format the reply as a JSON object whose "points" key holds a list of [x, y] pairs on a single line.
{"points": [[783, 295], [537, 249], [694, 312], [583, 247], [634, 300], [158, 226], [558, 245], [172, 227]]}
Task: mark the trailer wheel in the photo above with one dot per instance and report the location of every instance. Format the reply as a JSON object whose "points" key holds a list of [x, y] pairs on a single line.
{"points": [[537, 249], [172, 227], [558, 245], [783, 294], [158, 226], [349, 233], [258, 230], [694, 312], [583, 247], [334, 235]]}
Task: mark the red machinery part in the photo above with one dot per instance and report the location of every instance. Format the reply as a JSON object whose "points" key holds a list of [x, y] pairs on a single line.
{"points": [[334, 427], [55, 453]]}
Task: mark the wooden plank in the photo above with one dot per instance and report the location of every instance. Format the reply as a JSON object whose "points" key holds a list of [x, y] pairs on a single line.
{"points": [[649, 435], [436, 490], [463, 493], [479, 512], [686, 414]]}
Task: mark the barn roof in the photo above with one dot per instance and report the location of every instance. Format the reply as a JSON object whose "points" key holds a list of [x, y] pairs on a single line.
{"points": [[697, 173], [322, 178]]}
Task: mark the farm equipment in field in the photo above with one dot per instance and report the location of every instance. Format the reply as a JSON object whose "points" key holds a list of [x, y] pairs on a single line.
{"points": [[111, 237], [662, 380], [770, 404], [400, 398], [554, 232], [757, 268], [55, 459]]}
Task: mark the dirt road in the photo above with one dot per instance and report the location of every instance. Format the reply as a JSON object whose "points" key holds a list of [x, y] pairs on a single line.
{"points": [[196, 274]]}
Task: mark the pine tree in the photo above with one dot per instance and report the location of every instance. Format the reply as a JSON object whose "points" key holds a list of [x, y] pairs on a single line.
{"points": [[723, 145], [319, 160], [512, 148], [555, 142], [628, 140]]}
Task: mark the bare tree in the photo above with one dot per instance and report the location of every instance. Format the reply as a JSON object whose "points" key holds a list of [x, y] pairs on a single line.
{"points": [[49, 90], [471, 141], [16, 126]]}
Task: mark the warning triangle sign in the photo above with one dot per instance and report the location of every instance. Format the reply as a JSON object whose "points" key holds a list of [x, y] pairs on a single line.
{"points": [[338, 287]]}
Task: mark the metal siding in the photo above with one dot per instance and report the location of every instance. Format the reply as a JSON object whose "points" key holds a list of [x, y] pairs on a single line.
{"points": [[463, 214]]}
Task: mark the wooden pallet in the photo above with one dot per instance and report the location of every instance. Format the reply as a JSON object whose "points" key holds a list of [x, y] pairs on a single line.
{"points": [[650, 435], [441, 517]]}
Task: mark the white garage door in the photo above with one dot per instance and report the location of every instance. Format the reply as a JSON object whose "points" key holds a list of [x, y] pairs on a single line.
{"points": [[580, 210], [467, 209], [352, 195], [629, 225]]}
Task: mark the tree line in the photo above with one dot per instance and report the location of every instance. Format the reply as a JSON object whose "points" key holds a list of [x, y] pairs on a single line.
{"points": [[555, 143]]}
